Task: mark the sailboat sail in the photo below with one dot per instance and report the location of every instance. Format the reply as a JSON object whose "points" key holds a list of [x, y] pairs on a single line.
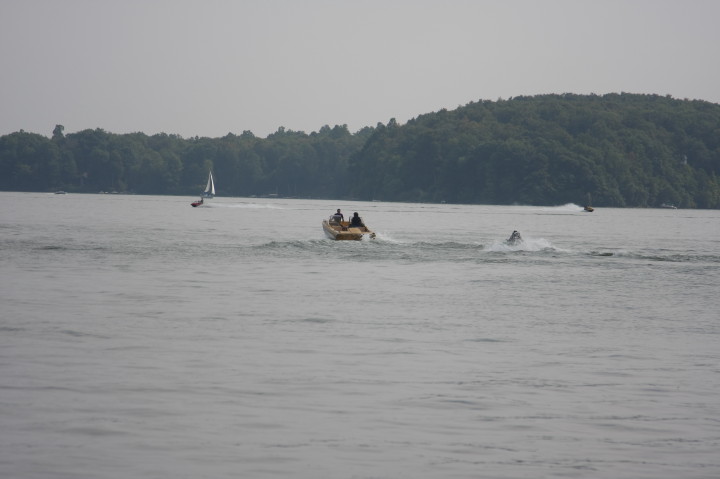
{"points": [[210, 188]]}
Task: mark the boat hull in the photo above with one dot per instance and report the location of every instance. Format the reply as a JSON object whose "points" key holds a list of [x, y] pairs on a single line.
{"points": [[343, 232]]}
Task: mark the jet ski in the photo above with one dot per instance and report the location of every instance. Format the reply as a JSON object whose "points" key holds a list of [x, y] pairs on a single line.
{"points": [[514, 239]]}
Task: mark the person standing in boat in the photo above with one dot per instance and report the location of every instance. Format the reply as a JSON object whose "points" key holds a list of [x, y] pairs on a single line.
{"points": [[356, 221]]}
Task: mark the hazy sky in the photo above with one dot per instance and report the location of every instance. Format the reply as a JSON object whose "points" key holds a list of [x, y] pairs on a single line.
{"points": [[212, 67]]}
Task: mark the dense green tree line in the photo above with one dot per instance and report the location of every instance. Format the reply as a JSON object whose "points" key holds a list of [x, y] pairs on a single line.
{"points": [[286, 162], [618, 149]]}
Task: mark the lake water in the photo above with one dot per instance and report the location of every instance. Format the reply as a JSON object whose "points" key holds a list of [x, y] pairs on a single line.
{"points": [[143, 338]]}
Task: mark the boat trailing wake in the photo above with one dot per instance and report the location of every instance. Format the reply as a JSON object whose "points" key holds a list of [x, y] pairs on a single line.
{"points": [[387, 248], [569, 208]]}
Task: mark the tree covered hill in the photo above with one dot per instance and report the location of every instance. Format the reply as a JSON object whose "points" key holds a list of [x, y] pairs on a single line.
{"points": [[618, 149], [622, 149]]}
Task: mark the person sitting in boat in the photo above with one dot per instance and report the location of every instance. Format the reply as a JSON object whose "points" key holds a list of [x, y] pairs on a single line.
{"points": [[338, 216], [356, 221], [514, 237]]}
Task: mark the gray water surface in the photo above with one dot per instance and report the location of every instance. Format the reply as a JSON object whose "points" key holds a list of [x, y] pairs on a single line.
{"points": [[140, 337]]}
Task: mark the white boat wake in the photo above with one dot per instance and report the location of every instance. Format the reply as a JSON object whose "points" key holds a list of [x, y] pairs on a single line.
{"points": [[568, 208], [527, 244], [243, 205]]}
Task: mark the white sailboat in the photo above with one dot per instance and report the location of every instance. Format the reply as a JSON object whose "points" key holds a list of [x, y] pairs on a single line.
{"points": [[210, 188], [208, 193]]}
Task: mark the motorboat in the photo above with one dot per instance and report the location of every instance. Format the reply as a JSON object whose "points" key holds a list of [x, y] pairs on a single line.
{"points": [[338, 229]]}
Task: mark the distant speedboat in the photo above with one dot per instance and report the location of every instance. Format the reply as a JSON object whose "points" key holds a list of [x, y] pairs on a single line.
{"points": [[60, 192], [669, 206], [342, 230], [588, 208]]}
